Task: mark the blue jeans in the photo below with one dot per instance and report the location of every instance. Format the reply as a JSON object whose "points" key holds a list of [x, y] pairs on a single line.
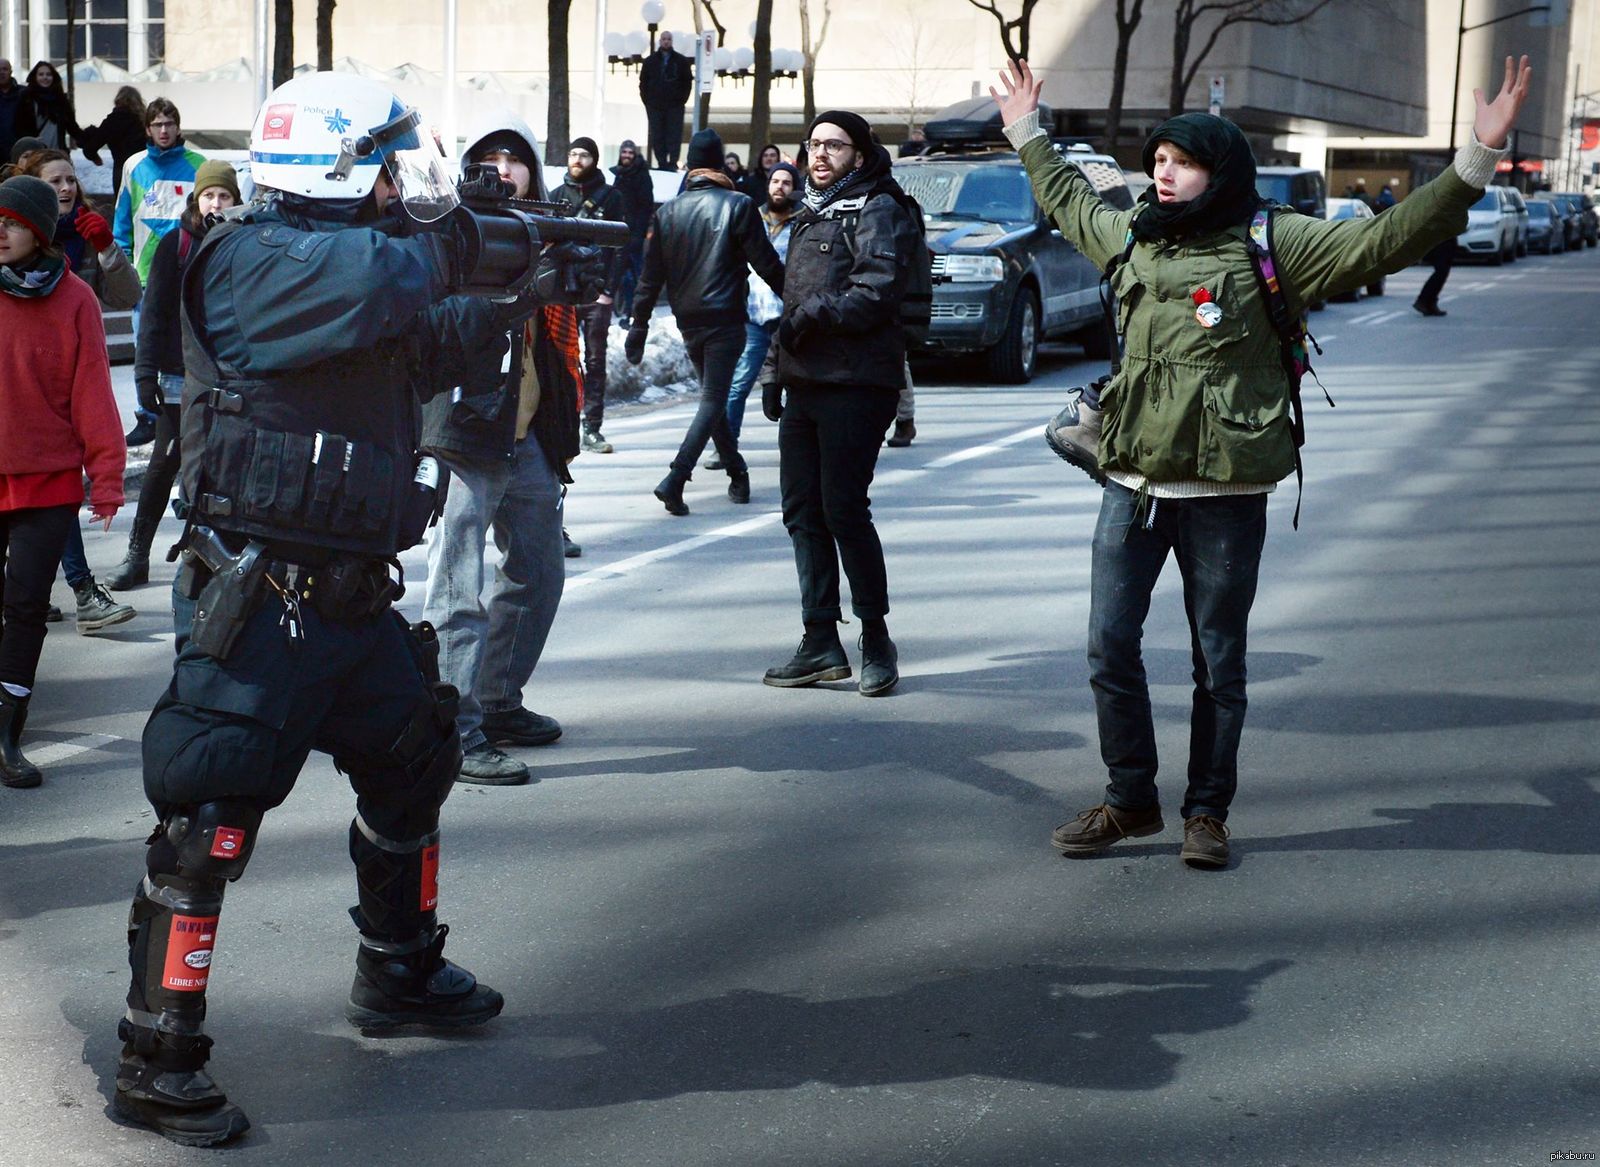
{"points": [[489, 654], [1218, 544], [757, 340], [74, 561]]}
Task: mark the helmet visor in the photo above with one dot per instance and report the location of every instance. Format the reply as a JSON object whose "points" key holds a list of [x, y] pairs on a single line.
{"points": [[417, 167]]}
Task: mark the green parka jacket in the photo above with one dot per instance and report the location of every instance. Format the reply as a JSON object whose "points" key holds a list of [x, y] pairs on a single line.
{"points": [[1192, 402]]}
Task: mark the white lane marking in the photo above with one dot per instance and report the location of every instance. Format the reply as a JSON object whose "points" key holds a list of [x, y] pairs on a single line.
{"points": [[56, 752], [625, 567]]}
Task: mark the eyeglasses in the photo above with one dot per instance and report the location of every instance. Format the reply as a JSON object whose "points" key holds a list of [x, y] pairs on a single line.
{"points": [[579, 154], [833, 146], [166, 124]]}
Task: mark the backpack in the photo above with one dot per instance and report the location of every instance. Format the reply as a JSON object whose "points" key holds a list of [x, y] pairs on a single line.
{"points": [[916, 305]]}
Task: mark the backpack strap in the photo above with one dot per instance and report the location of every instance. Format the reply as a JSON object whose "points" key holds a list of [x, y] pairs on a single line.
{"points": [[1108, 313]]}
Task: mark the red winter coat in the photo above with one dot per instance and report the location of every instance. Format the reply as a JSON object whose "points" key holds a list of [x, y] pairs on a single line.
{"points": [[58, 417]]}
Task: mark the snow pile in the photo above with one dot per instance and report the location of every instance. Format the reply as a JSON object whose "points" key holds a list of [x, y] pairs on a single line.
{"points": [[665, 371]]}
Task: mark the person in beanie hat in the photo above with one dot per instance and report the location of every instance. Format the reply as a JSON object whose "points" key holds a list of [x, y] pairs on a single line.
{"points": [[19, 148], [631, 179], [699, 248], [1198, 420], [832, 382], [586, 191], [158, 359], [58, 421]]}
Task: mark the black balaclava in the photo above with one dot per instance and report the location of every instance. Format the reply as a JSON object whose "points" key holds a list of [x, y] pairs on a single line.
{"points": [[1230, 197]]}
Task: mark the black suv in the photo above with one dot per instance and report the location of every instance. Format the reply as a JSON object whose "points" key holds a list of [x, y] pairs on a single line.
{"points": [[1003, 278]]}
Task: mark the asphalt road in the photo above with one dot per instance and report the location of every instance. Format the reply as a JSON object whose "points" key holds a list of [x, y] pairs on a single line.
{"points": [[737, 925]]}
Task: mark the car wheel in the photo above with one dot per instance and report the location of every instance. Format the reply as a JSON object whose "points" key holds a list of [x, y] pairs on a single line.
{"points": [[1011, 361], [1498, 258]]}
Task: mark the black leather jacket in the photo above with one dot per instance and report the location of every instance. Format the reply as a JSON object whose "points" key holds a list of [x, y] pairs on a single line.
{"points": [[699, 246]]}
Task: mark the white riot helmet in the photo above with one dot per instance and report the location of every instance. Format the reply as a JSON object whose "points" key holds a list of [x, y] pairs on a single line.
{"points": [[325, 136]]}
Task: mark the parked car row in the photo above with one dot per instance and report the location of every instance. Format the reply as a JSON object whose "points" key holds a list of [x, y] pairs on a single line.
{"points": [[1503, 225]]}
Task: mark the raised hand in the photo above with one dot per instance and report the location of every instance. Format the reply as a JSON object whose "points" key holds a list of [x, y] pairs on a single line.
{"points": [[1494, 119], [1022, 92]]}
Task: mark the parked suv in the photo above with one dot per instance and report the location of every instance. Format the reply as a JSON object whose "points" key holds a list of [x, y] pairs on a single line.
{"points": [[1003, 278], [1494, 226], [1294, 186]]}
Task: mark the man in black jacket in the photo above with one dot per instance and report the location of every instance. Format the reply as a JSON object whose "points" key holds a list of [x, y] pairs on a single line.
{"points": [[700, 245], [665, 81], [585, 190], [631, 180], [840, 355]]}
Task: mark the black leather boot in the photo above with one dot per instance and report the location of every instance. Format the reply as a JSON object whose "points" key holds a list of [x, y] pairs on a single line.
{"points": [[15, 770], [670, 492], [134, 570], [739, 486], [820, 657], [880, 660], [418, 988]]}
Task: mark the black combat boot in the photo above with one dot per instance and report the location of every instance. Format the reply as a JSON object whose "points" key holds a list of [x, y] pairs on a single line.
{"points": [[670, 492], [820, 657], [880, 660], [15, 770], [739, 486], [134, 570], [417, 988], [162, 1084]]}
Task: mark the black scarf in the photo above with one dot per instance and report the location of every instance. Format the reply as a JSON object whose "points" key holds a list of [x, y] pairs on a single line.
{"points": [[1228, 200]]}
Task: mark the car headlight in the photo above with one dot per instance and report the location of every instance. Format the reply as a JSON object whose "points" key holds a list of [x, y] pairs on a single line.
{"points": [[974, 269]]}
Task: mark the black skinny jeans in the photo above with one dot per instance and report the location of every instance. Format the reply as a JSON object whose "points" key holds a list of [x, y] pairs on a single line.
{"points": [[715, 353], [594, 322], [162, 471], [828, 442], [31, 540]]}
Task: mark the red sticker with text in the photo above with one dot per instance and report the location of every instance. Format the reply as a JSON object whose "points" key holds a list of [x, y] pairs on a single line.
{"points": [[430, 878], [228, 843], [189, 947], [277, 122]]}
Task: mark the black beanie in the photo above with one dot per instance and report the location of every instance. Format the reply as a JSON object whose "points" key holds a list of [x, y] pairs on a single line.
{"points": [[31, 202], [792, 170], [586, 144], [25, 145], [705, 150], [853, 124]]}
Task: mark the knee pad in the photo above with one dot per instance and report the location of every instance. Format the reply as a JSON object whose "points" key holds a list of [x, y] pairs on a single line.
{"points": [[397, 880]]}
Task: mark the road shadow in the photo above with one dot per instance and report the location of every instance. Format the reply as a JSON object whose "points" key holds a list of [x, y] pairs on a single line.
{"points": [[1363, 714]]}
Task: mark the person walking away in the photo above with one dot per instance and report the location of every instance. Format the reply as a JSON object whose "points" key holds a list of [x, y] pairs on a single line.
{"points": [[506, 444], [1441, 258], [1197, 424], [58, 421], [150, 202], [631, 180], [665, 81], [586, 191], [831, 382], [45, 110], [905, 414], [764, 306], [158, 359], [122, 131], [84, 238], [698, 248]]}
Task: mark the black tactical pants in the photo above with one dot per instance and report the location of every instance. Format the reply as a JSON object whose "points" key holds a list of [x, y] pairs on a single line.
{"points": [[594, 322]]}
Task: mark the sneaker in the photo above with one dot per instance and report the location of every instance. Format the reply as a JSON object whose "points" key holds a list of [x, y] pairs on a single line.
{"points": [[520, 727], [142, 433], [1074, 434], [97, 610], [422, 988], [904, 431], [595, 442], [1429, 309], [1098, 827], [1205, 842], [568, 548], [488, 766]]}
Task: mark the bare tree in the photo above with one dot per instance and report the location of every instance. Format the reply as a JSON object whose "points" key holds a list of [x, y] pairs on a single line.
{"points": [[282, 41], [72, 48], [325, 34], [914, 56], [808, 71], [1129, 13], [560, 122], [1019, 25], [761, 99], [1228, 13]]}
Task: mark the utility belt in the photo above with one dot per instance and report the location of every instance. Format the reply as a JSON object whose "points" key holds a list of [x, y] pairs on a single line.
{"points": [[229, 587]]}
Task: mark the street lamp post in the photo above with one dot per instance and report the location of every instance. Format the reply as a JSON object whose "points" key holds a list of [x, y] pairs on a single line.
{"points": [[1462, 29]]}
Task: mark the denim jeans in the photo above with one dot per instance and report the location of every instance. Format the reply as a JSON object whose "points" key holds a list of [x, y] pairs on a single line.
{"points": [[828, 441], [1217, 542], [489, 653], [74, 560], [757, 340], [714, 353]]}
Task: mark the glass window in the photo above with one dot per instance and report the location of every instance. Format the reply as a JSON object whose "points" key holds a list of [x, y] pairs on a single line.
{"points": [[1489, 202], [997, 194]]}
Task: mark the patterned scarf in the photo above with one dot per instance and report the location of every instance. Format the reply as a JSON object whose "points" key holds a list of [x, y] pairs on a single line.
{"points": [[38, 278], [817, 199]]}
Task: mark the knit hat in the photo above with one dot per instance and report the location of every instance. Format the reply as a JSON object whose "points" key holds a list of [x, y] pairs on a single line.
{"points": [[790, 169], [31, 202], [24, 145], [853, 124], [216, 172], [705, 150], [585, 144]]}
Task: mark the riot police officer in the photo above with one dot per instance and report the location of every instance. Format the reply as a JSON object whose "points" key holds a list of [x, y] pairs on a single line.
{"points": [[308, 343]]}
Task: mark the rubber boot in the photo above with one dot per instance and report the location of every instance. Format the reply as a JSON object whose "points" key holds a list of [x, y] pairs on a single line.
{"points": [[880, 660], [670, 492], [15, 770], [134, 570], [417, 988], [820, 657]]}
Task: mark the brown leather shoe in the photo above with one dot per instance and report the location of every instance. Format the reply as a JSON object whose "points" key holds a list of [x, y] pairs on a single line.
{"points": [[1205, 842], [1100, 826]]}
